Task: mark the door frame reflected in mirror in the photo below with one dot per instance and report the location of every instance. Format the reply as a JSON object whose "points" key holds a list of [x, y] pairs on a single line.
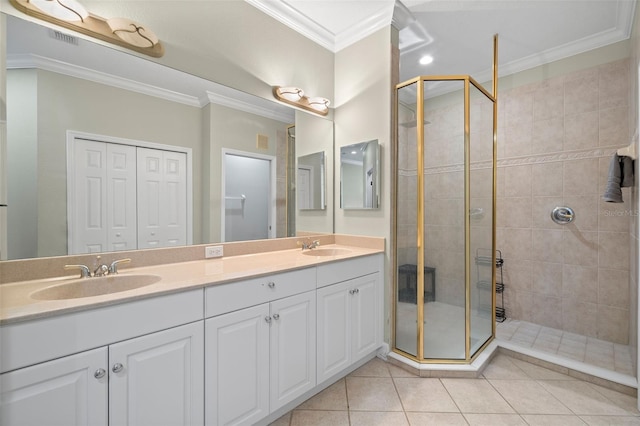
{"points": [[311, 175], [360, 176]]}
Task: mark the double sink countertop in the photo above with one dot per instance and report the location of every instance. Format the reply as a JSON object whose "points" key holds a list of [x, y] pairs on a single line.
{"points": [[26, 300]]}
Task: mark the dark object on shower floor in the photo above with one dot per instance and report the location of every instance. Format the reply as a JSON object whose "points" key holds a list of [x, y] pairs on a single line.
{"points": [[408, 275]]}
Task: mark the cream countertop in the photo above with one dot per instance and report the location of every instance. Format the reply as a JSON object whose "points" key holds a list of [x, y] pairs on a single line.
{"points": [[17, 305]]}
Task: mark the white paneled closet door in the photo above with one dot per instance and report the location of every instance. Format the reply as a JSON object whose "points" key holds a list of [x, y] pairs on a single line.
{"points": [[162, 198], [121, 197], [102, 208]]}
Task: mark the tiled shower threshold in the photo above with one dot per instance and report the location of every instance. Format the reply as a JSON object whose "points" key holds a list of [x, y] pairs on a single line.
{"points": [[593, 360], [583, 357]]}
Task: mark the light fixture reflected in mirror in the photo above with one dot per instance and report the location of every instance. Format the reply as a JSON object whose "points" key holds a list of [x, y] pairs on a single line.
{"points": [[319, 104], [295, 96]]}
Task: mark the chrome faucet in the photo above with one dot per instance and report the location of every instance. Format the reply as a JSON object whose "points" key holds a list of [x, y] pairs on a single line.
{"points": [[308, 245], [113, 268], [101, 269], [84, 270]]}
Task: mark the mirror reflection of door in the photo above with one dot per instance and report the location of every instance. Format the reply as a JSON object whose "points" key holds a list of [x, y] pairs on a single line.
{"points": [[247, 197], [305, 188], [123, 196], [368, 193]]}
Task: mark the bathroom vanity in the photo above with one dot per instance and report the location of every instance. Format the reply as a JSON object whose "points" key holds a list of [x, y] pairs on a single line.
{"points": [[238, 340]]}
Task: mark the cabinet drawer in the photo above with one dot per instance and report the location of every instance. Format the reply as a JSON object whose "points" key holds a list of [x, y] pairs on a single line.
{"points": [[336, 272], [223, 298], [32, 342]]}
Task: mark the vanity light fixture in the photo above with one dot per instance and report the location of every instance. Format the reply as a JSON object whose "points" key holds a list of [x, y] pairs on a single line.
{"points": [[67, 10], [72, 15], [320, 104], [295, 96]]}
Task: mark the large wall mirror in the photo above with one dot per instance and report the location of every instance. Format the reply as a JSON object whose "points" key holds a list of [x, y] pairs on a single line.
{"points": [[57, 84], [360, 176]]}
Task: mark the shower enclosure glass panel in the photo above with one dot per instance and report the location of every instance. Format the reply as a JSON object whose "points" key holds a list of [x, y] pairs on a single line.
{"points": [[443, 223], [481, 217], [407, 225], [445, 227]]}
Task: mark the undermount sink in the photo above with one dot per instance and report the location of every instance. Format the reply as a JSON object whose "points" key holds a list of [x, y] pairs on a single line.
{"points": [[97, 286], [326, 252]]}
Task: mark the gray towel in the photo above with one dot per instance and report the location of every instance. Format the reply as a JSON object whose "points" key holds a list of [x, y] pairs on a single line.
{"points": [[620, 175]]}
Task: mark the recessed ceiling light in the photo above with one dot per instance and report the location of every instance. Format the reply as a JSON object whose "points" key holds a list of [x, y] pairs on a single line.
{"points": [[426, 60]]}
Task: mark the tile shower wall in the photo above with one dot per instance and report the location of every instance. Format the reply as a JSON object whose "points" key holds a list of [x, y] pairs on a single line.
{"points": [[555, 143]]}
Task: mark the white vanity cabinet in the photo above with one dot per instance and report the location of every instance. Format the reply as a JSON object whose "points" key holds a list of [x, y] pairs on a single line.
{"points": [[67, 391], [158, 378], [154, 378], [349, 314], [259, 358]]}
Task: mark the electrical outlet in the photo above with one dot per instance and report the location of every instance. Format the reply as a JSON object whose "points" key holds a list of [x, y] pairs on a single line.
{"points": [[213, 251]]}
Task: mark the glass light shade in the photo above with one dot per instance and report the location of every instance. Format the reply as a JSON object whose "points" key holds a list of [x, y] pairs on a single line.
{"points": [[66, 10], [293, 94], [319, 103]]}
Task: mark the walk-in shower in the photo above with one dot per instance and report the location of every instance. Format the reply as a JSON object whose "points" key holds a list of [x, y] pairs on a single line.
{"points": [[444, 245]]}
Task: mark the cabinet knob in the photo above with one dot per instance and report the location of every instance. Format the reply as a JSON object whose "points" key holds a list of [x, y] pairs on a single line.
{"points": [[354, 291], [117, 367], [357, 290], [267, 319], [271, 284], [99, 374], [276, 317]]}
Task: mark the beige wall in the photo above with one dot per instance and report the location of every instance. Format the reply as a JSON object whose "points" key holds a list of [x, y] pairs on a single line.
{"points": [[364, 78]]}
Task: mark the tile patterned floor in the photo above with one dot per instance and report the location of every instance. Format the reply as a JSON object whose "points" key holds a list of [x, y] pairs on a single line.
{"points": [[511, 392], [592, 351]]}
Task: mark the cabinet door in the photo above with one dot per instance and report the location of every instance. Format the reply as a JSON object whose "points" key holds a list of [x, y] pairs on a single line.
{"points": [[365, 316], [237, 367], [158, 379], [292, 347], [62, 392], [334, 329]]}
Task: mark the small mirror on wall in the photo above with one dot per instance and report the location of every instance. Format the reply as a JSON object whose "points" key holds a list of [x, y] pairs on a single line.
{"points": [[359, 176], [310, 182]]}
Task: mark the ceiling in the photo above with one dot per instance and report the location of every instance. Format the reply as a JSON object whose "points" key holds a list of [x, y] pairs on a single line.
{"points": [[458, 33]]}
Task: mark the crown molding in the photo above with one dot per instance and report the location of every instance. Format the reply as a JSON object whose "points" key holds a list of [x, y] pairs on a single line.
{"points": [[47, 64], [265, 109], [231, 98], [297, 21], [382, 19]]}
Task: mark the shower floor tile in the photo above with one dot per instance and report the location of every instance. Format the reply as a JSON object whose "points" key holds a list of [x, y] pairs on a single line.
{"points": [[600, 353]]}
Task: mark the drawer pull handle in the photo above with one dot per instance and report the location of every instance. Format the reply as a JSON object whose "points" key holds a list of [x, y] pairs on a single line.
{"points": [[271, 284], [99, 374], [276, 317], [117, 367]]}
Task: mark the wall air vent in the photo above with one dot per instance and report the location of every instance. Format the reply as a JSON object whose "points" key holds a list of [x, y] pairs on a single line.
{"points": [[66, 38]]}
